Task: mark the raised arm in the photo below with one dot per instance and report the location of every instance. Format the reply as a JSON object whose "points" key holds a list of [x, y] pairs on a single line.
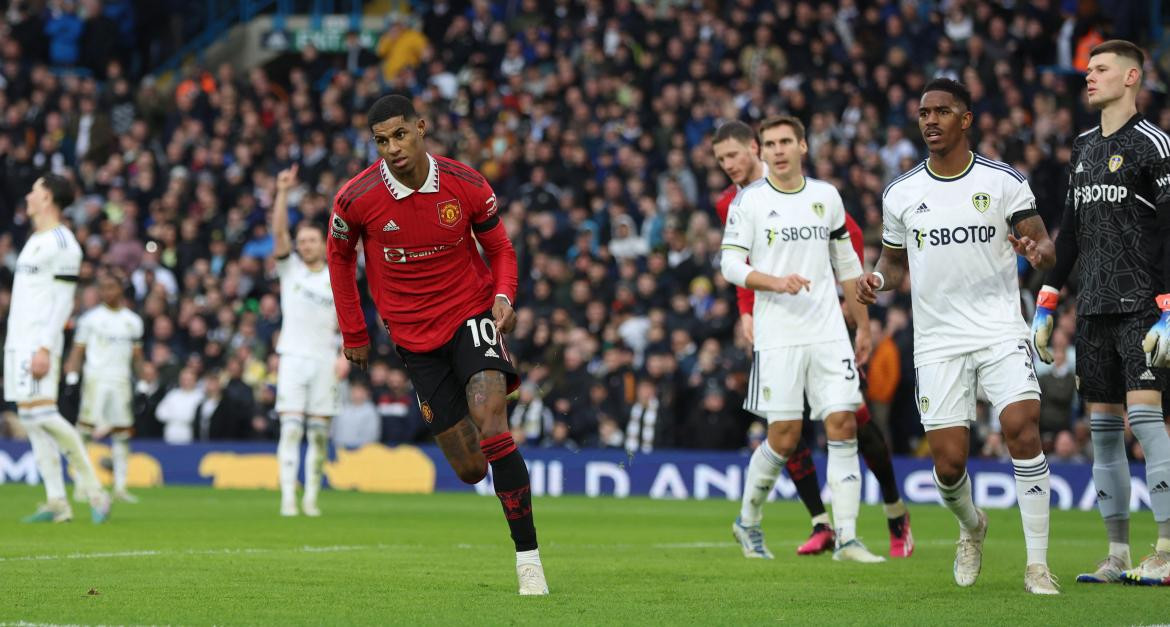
{"points": [[285, 181]]}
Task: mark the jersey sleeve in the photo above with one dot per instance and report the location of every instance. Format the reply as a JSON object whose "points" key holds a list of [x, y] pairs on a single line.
{"points": [[345, 227], [1159, 176], [139, 330], [66, 265], [893, 229], [842, 254], [739, 232], [1067, 248], [484, 207], [738, 238], [493, 236], [1019, 202]]}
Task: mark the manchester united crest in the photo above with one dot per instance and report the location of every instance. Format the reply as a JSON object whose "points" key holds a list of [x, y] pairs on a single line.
{"points": [[449, 212], [428, 415]]}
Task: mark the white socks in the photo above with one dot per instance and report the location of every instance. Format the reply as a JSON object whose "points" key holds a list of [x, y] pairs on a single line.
{"points": [[50, 434], [958, 499], [844, 476], [288, 454], [763, 469], [315, 456], [120, 451], [1034, 494], [528, 557]]}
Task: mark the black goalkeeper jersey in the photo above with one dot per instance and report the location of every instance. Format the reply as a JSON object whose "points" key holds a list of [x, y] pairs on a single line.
{"points": [[1115, 219]]}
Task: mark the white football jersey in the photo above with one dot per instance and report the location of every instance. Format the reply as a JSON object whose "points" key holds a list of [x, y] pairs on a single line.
{"points": [[46, 255], [790, 233], [109, 337], [308, 321], [965, 288]]}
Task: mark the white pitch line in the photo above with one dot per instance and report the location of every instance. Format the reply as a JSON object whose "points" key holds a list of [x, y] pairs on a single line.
{"points": [[344, 548]]}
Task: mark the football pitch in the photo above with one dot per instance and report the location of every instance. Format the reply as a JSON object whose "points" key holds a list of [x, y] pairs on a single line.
{"points": [[201, 556]]}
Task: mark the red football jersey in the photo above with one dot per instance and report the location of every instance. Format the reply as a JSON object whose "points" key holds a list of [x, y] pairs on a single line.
{"points": [[747, 298], [425, 273]]}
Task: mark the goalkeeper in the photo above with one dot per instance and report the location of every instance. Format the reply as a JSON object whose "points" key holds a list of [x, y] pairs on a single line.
{"points": [[1117, 225]]}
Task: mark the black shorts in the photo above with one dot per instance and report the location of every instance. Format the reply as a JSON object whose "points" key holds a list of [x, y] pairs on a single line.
{"points": [[1110, 359], [440, 376]]}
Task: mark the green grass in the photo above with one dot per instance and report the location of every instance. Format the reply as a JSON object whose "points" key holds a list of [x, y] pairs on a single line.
{"points": [[203, 556]]}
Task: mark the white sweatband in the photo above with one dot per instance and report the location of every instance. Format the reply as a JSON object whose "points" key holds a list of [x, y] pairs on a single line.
{"points": [[71, 378], [881, 277], [505, 297]]}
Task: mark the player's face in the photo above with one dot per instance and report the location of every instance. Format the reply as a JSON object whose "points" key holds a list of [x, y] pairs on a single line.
{"points": [[1107, 78], [37, 199], [110, 291], [782, 151], [310, 245], [943, 120], [737, 159], [400, 143]]}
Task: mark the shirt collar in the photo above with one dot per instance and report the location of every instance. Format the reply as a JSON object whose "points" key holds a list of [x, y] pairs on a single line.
{"points": [[400, 191]]}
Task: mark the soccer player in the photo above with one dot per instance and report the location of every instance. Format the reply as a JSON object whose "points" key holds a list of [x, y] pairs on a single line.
{"points": [[948, 223], [793, 229], [419, 218], [1117, 224], [42, 300], [108, 341], [737, 152], [306, 379]]}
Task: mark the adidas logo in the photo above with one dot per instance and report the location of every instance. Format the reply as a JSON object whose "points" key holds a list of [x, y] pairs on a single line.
{"points": [[1160, 488], [491, 352], [773, 214], [922, 208], [850, 478], [1103, 496], [1147, 375], [1080, 167], [1036, 491], [390, 226]]}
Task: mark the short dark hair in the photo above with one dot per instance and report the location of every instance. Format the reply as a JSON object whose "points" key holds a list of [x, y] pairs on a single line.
{"points": [[952, 87], [736, 130], [790, 121], [1121, 48], [391, 106], [60, 189]]}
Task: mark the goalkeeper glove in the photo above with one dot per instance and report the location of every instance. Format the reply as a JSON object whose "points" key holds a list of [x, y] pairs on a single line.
{"points": [[1046, 302], [1157, 342]]}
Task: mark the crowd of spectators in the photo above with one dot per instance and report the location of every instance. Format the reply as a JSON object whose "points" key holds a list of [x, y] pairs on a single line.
{"points": [[593, 121]]}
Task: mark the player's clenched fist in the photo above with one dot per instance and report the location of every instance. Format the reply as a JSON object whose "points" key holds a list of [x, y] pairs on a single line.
{"points": [[867, 287], [504, 315], [359, 356]]}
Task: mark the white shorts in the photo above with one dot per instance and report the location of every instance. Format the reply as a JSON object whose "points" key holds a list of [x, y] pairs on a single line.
{"points": [[106, 404], [781, 377], [946, 390], [19, 384], [306, 385]]}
